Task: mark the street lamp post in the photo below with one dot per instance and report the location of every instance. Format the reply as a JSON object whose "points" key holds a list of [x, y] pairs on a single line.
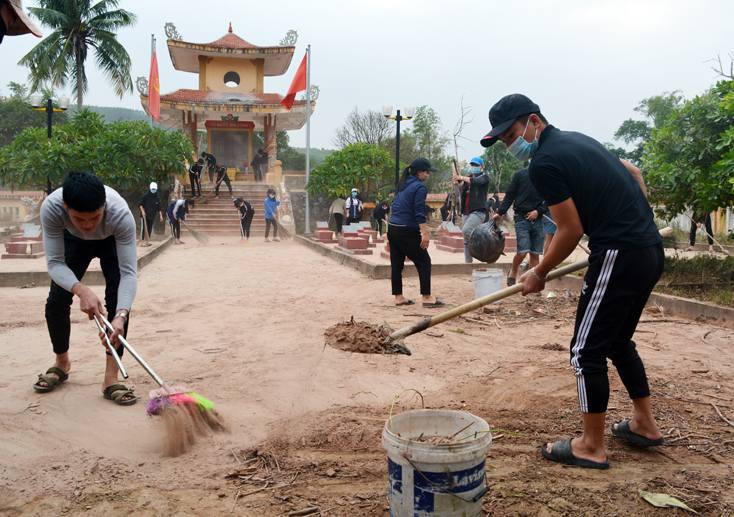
{"points": [[36, 99], [409, 112]]}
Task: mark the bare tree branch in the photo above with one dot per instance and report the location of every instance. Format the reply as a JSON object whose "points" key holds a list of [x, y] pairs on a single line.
{"points": [[720, 70], [370, 127]]}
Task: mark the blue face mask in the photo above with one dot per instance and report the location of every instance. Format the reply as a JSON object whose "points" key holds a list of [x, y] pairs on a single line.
{"points": [[153, 190], [271, 196], [475, 170], [354, 194], [521, 149]]}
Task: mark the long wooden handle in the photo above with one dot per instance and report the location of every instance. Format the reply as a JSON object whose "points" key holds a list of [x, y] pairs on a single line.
{"points": [[491, 298]]}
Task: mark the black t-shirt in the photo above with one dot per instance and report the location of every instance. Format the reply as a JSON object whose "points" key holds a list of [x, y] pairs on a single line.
{"points": [[210, 160], [612, 207], [523, 195], [195, 169], [379, 213], [245, 208]]}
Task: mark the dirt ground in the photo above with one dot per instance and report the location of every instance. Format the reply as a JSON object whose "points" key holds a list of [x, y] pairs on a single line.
{"points": [[244, 326]]}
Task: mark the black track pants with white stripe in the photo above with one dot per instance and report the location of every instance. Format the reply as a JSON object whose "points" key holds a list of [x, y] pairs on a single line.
{"points": [[616, 288]]}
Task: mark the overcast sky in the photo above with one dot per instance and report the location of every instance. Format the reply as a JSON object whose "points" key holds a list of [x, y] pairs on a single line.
{"points": [[586, 63]]}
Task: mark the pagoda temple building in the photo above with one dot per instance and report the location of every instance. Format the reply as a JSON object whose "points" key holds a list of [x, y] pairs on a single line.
{"points": [[231, 101]]}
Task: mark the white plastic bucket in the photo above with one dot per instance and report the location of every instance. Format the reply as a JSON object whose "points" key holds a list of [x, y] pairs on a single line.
{"points": [[487, 281], [436, 480]]}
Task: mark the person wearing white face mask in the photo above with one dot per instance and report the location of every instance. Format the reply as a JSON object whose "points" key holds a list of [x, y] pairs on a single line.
{"points": [[354, 207], [591, 191], [150, 205], [473, 201]]}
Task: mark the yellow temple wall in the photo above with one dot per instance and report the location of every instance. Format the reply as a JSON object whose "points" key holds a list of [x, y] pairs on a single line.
{"points": [[247, 69]]}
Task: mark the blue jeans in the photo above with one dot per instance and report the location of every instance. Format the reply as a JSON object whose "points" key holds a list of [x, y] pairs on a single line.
{"points": [[549, 226], [469, 222], [530, 235]]}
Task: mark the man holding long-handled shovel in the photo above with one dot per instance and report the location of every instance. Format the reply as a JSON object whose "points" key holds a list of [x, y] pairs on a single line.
{"points": [[590, 191]]}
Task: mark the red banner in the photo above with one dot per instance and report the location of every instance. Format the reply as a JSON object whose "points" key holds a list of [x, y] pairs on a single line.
{"points": [[298, 85], [229, 124], [154, 89]]}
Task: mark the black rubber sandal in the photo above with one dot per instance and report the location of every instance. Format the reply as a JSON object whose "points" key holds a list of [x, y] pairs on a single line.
{"points": [[623, 431], [562, 453]]}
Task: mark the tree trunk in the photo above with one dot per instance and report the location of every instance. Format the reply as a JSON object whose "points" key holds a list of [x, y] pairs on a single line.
{"points": [[79, 83]]}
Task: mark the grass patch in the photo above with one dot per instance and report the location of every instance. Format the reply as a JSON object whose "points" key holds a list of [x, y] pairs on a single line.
{"points": [[703, 277]]}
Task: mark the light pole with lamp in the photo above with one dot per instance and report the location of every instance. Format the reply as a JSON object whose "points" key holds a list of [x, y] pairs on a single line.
{"points": [[409, 112], [36, 99]]}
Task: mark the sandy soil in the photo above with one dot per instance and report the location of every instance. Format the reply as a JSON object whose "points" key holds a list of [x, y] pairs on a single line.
{"points": [[244, 326]]}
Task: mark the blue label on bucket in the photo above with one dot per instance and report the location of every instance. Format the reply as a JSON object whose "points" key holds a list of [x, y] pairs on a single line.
{"points": [[395, 475], [426, 485]]}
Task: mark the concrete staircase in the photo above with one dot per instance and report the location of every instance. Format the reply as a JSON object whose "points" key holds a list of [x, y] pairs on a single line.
{"points": [[219, 217]]}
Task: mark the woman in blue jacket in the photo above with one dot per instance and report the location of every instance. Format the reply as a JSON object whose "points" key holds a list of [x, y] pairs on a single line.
{"points": [[270, 215], [407, 232]]}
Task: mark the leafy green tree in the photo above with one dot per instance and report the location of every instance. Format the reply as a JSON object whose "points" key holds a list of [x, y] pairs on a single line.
{"points": [[501, 166], [365, 166], [690, 158], [124, 154], [656, 109], [76, 26], [292, 160], [16, 114]]}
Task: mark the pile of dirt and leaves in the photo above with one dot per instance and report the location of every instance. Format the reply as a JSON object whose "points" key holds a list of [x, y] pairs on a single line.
{"points": [[360, 337], [704, 277], [338, 466]]}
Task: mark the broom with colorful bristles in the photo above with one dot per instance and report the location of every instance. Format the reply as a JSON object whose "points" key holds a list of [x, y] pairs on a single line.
{"points": [[185, 414]]}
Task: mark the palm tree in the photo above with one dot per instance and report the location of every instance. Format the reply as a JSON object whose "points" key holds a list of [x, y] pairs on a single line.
{"points": [[77, 25]]}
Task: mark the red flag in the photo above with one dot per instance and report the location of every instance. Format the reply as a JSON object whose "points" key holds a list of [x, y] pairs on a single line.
{"points": [[154, 89], [298, 85]]}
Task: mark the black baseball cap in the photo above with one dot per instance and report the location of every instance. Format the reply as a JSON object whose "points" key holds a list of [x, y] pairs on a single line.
{"points": [[421, 164], [505, 112]]}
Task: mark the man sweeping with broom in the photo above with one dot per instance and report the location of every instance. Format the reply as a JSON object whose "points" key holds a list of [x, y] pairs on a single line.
{"points": [[82, 220]]}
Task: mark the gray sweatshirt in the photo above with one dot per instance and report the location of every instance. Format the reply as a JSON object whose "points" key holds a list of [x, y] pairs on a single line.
{"points": [[117, 220]]}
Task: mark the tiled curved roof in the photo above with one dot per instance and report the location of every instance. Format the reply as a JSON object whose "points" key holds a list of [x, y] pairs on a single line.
{"points": [[231, 40], [229, 98]]}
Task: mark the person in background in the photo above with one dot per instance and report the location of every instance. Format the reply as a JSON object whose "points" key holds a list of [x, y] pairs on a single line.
{"points": [[14, 21], [496, 198], [246, 215], [550, 231], [222, 176], [407, 232], [271, 215], [211, 164], [260, 165], [337, 209], [529, 209], [380, 214], [176, 213], [696, 221], [473, 201], [490, 205], [195, 177], [446, 209], [150, 205], [354, 207]]}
